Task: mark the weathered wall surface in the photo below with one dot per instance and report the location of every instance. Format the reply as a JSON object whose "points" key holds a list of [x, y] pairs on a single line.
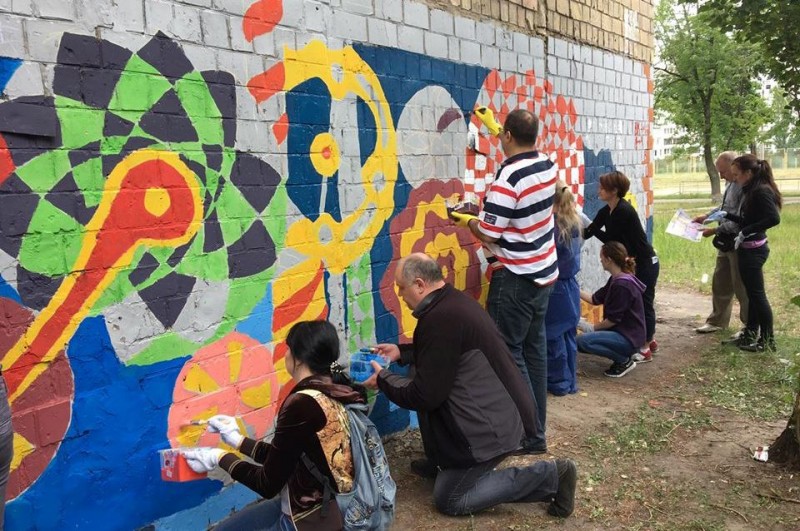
{"points": [[180, 182]]}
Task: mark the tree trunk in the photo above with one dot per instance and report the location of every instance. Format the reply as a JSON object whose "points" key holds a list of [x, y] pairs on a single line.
{"points": [[786, 448], [713, 176]]}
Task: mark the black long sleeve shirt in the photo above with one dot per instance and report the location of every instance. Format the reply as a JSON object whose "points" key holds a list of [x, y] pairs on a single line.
{"points": [[621, 225], [759, 211]]}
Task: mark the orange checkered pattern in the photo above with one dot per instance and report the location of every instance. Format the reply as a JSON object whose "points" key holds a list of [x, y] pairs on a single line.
{"points": [[557, 136]]}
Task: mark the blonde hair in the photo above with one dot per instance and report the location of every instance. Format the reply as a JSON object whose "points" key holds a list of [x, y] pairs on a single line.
{"points": [[567, 217]]}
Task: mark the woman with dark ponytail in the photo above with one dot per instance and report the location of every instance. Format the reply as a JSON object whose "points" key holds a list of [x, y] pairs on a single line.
{"points": [[760, 210], [310, 422], [622, 329]]}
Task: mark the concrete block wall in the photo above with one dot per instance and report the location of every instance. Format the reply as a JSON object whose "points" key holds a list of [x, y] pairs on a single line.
{"points": [[181, 181]]}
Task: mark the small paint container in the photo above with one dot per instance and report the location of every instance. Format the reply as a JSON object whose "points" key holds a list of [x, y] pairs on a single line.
{"points": [[174, 466], [361, 366]]}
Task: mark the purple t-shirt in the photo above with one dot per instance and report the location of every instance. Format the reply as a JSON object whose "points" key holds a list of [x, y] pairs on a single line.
{"points": [[621, 298]]}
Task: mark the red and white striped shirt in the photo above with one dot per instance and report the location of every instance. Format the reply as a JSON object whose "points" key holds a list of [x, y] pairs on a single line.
{"points": [[518, 211]]}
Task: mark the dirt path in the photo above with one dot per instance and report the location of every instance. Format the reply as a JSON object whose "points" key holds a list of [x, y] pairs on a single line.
{"points": [[687, 485]]}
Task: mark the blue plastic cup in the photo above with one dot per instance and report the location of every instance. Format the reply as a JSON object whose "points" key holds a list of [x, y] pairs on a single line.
{"points": [[361, 366]]}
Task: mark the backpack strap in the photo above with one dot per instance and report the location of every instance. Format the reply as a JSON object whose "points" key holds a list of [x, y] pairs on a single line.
{"points": [[327, 489]]}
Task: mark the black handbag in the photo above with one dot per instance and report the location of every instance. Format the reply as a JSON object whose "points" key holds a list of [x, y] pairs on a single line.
{"points": [[724, 242]]}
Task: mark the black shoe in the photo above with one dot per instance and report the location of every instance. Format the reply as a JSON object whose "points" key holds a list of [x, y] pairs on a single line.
{"points": [[745, 338], [760, 346], [564, 501], [424, 468], [618, 370], [734, 338], [530, 446]]}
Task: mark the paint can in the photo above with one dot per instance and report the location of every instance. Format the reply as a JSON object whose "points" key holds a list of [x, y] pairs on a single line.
{"points": [[174, 466]]}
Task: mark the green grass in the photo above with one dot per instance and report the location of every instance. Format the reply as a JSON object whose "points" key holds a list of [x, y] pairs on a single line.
{"points": [[696, 184], [646, 431], [759, 387], [762, 389]]}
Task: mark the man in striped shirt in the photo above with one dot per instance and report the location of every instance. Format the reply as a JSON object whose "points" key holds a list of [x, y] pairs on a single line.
{"points": [[516, 227]]}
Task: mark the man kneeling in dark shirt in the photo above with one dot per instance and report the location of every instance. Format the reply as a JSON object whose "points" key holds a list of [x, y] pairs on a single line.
{"points": [[472, 402]]}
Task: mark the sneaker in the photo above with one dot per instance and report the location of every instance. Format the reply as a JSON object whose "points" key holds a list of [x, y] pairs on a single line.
{"points": [[618, 370], [734, 338], [707, 329], [745, 338], [424, 468], [654, 346], [759, 346], [564, 502], [643, 356]]}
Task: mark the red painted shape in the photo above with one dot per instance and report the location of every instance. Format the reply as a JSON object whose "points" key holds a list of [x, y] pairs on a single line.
{"points": [[492, 82], [561, 105], [6, 163], [326, 152], [128, 222], [41, 414], [261, 18], [293, 308], [265, 85], [281, 128]]}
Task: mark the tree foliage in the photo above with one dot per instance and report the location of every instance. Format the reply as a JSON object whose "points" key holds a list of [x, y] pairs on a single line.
{"points": [[770, 24], [783, 132], [705, 82]]}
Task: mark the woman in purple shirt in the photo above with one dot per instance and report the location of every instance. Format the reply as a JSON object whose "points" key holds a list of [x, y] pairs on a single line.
{"points": [[622, 329]]}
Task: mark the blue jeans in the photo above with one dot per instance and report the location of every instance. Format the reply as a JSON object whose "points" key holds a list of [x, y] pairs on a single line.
{"points": [[607, 343], [460, 491], [518, 306], [264, 515]]}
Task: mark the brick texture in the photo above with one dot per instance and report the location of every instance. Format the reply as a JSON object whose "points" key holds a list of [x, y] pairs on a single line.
{"points": [[621, 26]]}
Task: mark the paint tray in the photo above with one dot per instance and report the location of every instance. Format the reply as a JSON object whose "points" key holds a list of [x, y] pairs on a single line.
{"points": [[174, 466]]}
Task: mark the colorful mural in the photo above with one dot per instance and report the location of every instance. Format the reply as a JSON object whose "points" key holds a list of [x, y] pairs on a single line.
{"points": [[150, 267]]}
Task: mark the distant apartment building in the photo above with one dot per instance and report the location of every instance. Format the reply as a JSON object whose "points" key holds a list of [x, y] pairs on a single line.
{"points": [[666, 136]]}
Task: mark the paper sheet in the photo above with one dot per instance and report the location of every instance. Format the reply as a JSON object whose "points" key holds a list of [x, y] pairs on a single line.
{"points": [[682, 226]]}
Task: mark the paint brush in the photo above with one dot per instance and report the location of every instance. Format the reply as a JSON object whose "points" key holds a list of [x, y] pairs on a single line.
{"points": [[198, 422]]}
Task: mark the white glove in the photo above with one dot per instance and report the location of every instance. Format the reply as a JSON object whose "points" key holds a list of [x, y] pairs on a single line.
{"points": [[227, 428], [203, 459], [738, 241], [585, 326], [718, 215]]}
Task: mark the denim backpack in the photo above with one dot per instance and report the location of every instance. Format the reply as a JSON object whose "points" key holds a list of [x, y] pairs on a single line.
{"points": [[370, 505]]}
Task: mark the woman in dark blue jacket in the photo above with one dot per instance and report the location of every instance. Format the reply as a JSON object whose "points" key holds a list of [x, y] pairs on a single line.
{"points": [[760, 210], [564, 307]]}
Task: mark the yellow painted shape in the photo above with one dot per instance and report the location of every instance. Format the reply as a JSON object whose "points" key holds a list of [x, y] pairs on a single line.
{"points": [[287, 284], [235, 354], [89, 243], [258, 396], [283, 374], [325, 154], [440, 245], [22, 449], [630, 197], [189, 434], [156, 201], [339, 244], [199, 381]]}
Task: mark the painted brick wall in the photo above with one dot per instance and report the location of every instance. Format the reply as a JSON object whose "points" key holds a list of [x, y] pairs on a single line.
{"points": [[180, 182]]}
